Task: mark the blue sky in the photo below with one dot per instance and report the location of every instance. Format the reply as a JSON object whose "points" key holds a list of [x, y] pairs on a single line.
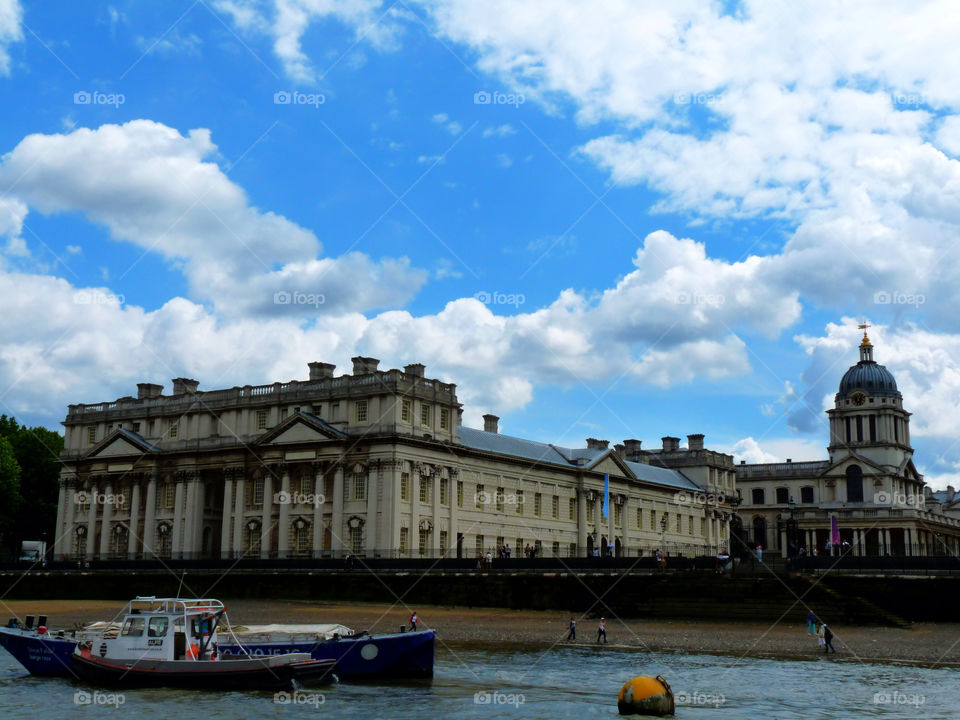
{"points": [[664, 221]]}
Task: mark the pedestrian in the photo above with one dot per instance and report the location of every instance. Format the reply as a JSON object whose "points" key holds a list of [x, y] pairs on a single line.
{"points": [[602, 631], [828, 640], [507, 550], [572, 635], [760, 554], [820, 632], [489, 560], [811, 624], [413, 621]]}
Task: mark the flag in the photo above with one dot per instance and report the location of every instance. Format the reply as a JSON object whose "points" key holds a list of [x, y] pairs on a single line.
{"points": [[606, 495], [834, 530]]}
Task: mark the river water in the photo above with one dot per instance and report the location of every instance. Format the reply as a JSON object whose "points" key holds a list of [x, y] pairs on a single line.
{"points": [[566, 682]]}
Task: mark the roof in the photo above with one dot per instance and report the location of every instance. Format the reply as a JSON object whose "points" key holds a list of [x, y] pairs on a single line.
{"points": [[566, 457], [868, 375]]}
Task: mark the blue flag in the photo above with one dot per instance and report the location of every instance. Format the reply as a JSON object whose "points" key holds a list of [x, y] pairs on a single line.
{"points": [[606, 495]]}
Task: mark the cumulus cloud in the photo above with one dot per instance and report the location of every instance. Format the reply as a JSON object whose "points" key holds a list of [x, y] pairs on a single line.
{"points": [[11, 16]]}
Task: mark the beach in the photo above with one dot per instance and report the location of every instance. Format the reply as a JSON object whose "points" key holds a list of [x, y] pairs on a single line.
{"points": [[458, 627]]}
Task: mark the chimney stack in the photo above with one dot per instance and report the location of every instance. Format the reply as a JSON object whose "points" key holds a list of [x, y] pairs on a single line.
{"points": [[951, 493], [364, 365], [670, 444], [414, 369], [184, 385], [621, 450], [491, 423], [594, 444], [321, 370], [148, 390], [632, 448], [695, 442]]}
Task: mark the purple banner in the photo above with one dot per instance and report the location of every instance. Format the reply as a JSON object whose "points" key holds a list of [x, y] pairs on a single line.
{"points": [[834, 530]]}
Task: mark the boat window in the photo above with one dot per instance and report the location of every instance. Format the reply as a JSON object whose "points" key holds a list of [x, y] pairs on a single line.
{"points": [[133, 627], [158, 627]]}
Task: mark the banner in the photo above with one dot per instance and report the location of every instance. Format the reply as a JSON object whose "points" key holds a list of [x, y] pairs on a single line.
{"points": [[606, 495], [834, 530]]}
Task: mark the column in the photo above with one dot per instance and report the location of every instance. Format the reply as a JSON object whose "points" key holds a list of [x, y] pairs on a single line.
{"points": [[710, 535], [373, 482], [225, 534], [91, 522], [624, 525], [199, 514], [134, 530], [266, 517], [71, 500], [283, 528], [105, 516], [149, 517], [454, 527], [581, 522], [239, 518], [336, 528], [175, 545], [434, 540], [318, 489], [58, 528], [190, 520], [783, 539], [395, 505], [907, 542]]}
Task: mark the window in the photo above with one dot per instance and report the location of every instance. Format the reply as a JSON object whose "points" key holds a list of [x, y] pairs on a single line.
{"points": [[499, 499], [150, 428], [555, 508], [425, 415], [334, 410], [169, 495], [677, 526], [639, 519], [519, 546], [555, 549], [361, 411], [859, 428], [756, 496], [690, 525], [306, 484], [405, 411], [806, 494], [873, 428], [703, 526], [283, 413], [404, 539], [444, 491], [136, 427], [653, 519], [589, 512], [172, 432], [158, 627], [519, 499], [425, 490], [499, 542], [253, 540], [846, 424], [258, 492], [356, 540], [480, 497], [783, 496], [92, 434], [617, 515], [572, 507], [261, 419], [405, 487], [896, 430], [359, 486], [459, 493], [572, 549], [303, 539], [854, 484], [444, 418], [443, 542], [536, 504], [133, 627], [479, 545]]}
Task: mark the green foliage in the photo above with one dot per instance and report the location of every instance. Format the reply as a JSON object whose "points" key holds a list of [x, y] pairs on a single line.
{"points": [[9, 487]]}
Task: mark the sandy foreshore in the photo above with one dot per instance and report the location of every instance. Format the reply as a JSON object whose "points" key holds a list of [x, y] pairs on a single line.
{"points": [[925, 643]]}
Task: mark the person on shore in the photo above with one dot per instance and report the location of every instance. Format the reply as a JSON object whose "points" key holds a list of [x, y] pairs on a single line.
{"points": [[572, 635], [828, 641], [602, 631], [811, 624], [820, 632], [507, 551], [489, 560], [413, 621], [760, 554]]}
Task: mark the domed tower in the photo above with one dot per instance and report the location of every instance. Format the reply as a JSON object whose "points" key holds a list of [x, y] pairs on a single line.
{"points": [[868, 418]]}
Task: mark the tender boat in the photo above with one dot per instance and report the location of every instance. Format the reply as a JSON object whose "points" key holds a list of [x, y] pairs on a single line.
{"points": [[173, 642]]}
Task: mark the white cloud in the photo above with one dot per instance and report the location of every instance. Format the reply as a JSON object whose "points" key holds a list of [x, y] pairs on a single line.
{"points": [[776, 450], [452, 126], [499, 131], [11, 16], [504, 160]]}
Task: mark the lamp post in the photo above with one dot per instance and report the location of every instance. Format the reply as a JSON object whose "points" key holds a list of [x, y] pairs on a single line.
{"points": [[663, 532]]}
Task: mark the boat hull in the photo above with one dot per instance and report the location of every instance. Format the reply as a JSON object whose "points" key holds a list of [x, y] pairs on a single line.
{"points": [[39, 654], [240, 674]]}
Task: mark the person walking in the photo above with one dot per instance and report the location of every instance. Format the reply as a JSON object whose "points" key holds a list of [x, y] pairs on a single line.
{"points": [[828, 641], [572, 635], [820, 641], [760, 554], [811, 624], [602, 631], [413, 621]]}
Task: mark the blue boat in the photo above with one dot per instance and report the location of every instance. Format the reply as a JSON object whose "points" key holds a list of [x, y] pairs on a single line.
{"points": [[360, 657]]}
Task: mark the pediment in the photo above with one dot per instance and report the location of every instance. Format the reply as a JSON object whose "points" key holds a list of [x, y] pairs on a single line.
{"points": [[301, 428], [121, 443], [839, 467]]}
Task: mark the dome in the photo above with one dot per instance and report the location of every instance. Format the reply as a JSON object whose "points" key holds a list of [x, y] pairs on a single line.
{"points": [[870, 377]]}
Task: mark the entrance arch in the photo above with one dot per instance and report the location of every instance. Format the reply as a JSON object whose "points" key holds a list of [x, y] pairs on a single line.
{"points": [[760, 530]]}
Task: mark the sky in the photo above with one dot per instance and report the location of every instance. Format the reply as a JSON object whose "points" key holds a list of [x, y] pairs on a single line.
{"points": [[609, 219]]}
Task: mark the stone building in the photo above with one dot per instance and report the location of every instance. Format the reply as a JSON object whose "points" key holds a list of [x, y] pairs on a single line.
{"points": [[374, 463], [869, 482]]}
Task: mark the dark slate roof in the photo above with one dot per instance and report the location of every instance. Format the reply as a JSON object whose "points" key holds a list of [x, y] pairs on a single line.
{"points": [[871, 377], [324, 424], [137, 438], [567, 457]]}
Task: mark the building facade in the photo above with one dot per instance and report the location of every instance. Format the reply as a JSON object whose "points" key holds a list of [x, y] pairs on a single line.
{"points": [[868, 483], [373, 463]]}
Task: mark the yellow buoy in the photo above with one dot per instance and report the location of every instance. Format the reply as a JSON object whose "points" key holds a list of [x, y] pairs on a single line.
{"points": [[646, 696]]}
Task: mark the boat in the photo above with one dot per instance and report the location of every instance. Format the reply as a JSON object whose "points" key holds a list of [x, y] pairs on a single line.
{"points": [[361, 657], [173, 642]]}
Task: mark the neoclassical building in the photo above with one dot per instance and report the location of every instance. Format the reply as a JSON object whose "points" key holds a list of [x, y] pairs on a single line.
{"points": [[868, 483], [372, 463]]}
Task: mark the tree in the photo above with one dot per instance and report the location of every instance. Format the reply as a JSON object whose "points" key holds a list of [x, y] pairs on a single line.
{"points": [[9, 488]]}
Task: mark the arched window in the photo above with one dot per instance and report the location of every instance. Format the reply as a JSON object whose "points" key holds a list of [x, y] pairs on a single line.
{"points": [[854, 484]]}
